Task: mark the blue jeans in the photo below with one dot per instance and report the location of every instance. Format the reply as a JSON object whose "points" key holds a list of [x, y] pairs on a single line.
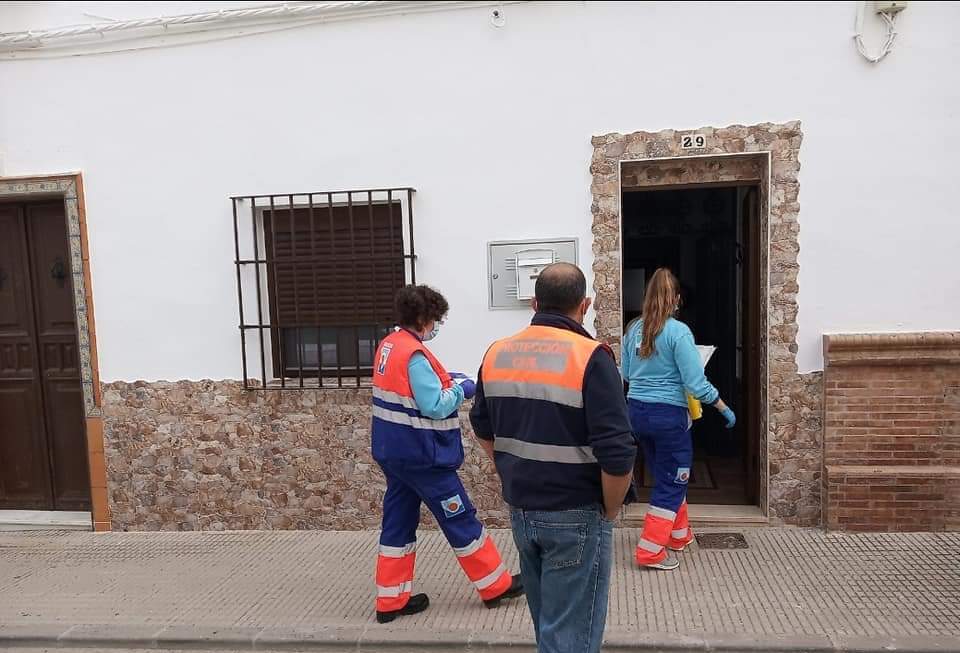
{"points": [[565, 558]]}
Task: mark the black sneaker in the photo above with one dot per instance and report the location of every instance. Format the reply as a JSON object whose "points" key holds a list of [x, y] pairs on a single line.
{"points": [[515, 590], [417, 603]]}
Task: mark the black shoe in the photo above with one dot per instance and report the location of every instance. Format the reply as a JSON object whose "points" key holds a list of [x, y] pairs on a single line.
{"points": [[515, 590], [417, 603]]}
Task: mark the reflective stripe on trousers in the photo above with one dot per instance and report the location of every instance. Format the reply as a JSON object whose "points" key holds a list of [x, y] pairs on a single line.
{"points": [[681, 534], [443, 492], [657, 527], [481, 562], [394, 576], [397, 551], [394, 591], [651, 546]]}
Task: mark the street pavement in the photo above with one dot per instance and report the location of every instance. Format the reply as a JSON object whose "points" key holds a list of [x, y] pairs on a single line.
{"points": [[790, 589]]}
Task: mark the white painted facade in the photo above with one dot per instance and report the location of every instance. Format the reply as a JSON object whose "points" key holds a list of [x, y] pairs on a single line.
{"points": [[492, 126]]}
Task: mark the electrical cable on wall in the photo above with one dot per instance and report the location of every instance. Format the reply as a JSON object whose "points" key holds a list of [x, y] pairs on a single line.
{"points": [[38, 38], [249, 19], [888, 13]]}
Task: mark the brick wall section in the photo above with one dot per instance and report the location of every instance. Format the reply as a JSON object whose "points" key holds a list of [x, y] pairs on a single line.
{"points": [[891, 436], [952, 450], [209, 455]]}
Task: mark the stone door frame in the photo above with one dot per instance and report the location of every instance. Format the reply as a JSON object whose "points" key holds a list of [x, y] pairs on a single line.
{"points": [[69, 187], [768, 155]]}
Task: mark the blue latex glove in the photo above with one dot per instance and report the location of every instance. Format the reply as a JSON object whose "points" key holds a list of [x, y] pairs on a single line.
{"points": [[468, 385], [729, 416]]}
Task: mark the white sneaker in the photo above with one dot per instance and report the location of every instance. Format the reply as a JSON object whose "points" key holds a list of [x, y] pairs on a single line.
{"points": [[667, 564]]}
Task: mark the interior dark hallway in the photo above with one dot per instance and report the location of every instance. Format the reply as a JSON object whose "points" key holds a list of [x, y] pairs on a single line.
{"points": [[703, 235]]}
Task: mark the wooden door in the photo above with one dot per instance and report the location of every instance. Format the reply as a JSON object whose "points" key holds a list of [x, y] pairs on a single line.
{"points": [[43, 459], [24, 460]]}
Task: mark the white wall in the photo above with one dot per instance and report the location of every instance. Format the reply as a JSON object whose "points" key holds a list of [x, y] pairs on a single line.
{"points": [[493, 127]]}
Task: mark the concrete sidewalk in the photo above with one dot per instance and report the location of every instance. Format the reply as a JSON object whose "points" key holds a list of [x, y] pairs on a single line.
{"points": [[797, 590]]}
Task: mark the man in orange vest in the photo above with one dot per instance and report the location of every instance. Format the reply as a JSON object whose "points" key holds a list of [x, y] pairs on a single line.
{"points": [[416, 441], [550, 412]]}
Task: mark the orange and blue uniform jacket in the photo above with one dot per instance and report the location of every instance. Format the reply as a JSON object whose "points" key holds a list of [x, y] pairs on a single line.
{"points": [[420, 455], [551, 400]]}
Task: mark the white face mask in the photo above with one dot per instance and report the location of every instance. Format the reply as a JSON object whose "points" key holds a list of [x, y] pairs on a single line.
{"points": [[433, 332]]}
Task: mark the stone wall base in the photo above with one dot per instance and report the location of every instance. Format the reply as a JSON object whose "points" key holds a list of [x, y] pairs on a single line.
{"points": [[892, 431], [796, 448], [212, 456]]}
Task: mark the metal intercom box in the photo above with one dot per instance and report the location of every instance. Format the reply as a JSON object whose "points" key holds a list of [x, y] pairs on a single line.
{"points": [[514, 265]]}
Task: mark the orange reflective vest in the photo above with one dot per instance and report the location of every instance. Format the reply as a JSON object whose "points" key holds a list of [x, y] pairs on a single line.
{"points": [[539, 363], [532, 386], [400, 432]]}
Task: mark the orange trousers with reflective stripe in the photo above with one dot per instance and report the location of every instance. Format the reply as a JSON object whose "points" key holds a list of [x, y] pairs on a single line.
{"points": [[682, 534], [445, 496], [663, 529], [394, 580]]}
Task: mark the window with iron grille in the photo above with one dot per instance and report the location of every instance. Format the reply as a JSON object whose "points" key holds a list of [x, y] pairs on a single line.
{"points": [[316, 277]]}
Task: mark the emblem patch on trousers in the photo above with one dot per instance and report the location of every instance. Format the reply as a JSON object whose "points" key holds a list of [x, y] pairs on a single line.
{"points": [[683, 475], [384, 355], [452, 506]]}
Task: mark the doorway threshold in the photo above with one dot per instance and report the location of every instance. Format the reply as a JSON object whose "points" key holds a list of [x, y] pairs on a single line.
{"points": [[45, 520], [703, 514]]}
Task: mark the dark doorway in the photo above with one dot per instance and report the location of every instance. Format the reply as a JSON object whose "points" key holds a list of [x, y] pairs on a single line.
{"points": [[43, 453], [709, 237]]}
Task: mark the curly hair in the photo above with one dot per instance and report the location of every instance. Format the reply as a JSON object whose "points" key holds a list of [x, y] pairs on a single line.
{"points": [[418, 305]]}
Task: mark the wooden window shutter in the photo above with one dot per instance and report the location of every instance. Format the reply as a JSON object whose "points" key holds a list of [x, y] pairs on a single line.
{"points": [[340, 268]]}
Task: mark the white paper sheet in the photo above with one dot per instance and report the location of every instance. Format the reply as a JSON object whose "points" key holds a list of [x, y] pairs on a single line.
{"points": [[706, 351]]}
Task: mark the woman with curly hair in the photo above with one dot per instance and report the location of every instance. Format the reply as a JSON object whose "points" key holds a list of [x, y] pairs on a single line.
{"points": [[416, 441]]}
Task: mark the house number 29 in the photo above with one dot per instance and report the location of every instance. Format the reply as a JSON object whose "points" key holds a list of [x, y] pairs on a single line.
{"points": [[693, 141]]}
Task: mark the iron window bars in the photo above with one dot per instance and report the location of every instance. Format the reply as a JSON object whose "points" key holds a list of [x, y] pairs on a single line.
{"points": [[318, 272]]}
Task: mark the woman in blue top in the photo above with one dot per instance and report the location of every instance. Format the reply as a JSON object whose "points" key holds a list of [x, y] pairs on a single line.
{"points": [[662, 365]]}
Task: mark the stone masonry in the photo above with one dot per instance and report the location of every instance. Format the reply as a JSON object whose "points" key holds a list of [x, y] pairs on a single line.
{"points": [[212, 456], [794, 459], [892, 431]]}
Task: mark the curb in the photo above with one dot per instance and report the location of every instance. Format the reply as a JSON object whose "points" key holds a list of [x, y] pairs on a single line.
{"points": [[379, 638]]}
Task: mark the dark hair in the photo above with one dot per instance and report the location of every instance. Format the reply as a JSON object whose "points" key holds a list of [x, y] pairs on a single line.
{"points": [[418, 305], [560, 288]]}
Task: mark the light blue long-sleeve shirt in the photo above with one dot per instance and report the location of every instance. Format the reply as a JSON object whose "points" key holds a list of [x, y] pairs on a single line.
{"points": [[432, 400], [673, 369]]}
